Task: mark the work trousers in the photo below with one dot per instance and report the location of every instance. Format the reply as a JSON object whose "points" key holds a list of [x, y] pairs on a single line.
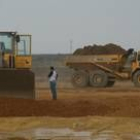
{"points": [[53, 89]]}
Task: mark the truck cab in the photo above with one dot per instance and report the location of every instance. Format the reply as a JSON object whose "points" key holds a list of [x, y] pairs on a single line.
{"points": [[135, 63]]}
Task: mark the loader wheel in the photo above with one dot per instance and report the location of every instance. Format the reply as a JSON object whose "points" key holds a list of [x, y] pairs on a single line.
{"points": [[98, 79], [136, 79], [80, 79]]}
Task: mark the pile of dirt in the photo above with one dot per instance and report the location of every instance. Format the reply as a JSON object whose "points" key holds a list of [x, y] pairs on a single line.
{"points": [[100, 49], [126, 106]]}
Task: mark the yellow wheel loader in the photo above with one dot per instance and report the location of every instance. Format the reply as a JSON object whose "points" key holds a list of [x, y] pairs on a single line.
{"points": [[16, 77]]}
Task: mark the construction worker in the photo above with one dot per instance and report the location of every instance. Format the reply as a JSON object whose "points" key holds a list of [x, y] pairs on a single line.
{"points": [[53, 80]]}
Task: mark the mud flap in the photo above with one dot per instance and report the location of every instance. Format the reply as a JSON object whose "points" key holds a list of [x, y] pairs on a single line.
{"points": [[17, 83]]}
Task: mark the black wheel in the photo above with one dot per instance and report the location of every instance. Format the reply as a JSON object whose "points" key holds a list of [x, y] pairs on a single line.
{"points": [[98, 79], [80, 79], [136, 78]]}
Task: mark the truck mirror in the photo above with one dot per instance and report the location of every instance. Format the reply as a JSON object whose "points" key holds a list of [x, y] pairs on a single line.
{"points": [[17, 38]]}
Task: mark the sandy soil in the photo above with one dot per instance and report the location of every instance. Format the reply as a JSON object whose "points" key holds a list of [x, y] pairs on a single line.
{"points": [[100, 111], [123, 102]]}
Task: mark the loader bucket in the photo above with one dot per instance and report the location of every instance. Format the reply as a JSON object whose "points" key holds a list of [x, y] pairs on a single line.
{"points": [[17, 83]]}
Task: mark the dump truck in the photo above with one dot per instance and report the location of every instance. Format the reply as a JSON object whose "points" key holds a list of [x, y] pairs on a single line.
{"points": [[17, 80], [102, 70]]}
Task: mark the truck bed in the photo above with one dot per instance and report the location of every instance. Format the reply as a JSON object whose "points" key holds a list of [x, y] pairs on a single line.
{"points": [[99, 61], [93, 59]]}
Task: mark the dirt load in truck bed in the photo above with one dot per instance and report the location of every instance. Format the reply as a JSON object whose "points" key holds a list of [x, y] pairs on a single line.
{"points": [[100, 49]]}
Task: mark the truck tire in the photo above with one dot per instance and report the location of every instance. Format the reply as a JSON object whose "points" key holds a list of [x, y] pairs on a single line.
{"points": [[98, 78], [80, 79], [136, 78]]}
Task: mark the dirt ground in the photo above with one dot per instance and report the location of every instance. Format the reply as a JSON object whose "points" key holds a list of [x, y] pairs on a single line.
{"points": [[107, 113], [121, 102]]}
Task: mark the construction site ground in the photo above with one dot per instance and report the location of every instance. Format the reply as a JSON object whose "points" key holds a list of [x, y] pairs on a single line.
{"points": [[76, 102], [110, 113]]}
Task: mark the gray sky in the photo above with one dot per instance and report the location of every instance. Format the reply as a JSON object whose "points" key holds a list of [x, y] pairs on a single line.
{"points": [[53, 23]]}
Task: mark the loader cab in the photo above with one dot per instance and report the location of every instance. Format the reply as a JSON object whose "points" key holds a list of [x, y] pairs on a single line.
{"points": [[15, 50], [23, 52]]}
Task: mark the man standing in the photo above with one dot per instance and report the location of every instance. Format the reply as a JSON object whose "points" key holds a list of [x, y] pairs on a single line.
{"points": [[53, 79]]}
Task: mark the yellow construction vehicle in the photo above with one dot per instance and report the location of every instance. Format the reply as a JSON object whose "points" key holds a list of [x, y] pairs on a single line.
{"points": [[16, 77], [103, 70]]}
